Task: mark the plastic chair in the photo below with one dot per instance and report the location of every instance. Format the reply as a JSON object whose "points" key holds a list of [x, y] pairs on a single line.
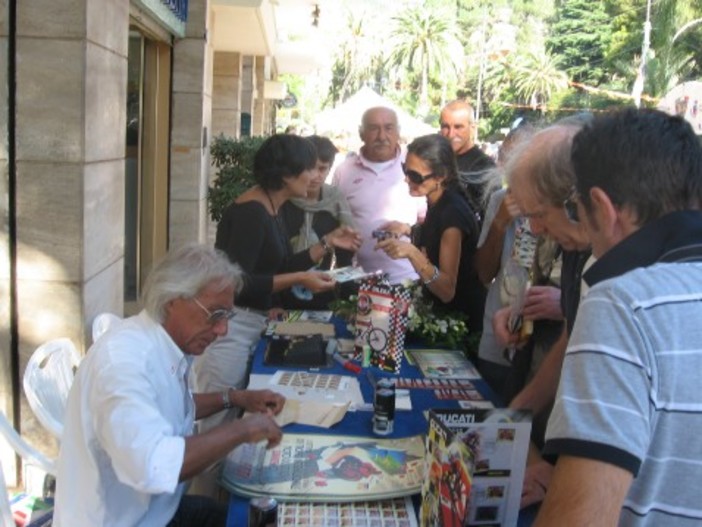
{"points": [[103, 322], [47, 381], [29, 455]]}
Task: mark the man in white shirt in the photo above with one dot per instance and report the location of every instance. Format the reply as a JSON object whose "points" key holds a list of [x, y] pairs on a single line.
{"points": [[373, 182], [129, 445]]}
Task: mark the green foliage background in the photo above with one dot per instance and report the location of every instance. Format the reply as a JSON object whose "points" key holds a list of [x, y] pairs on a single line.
{"points": [[234, 162], [597, 43]]}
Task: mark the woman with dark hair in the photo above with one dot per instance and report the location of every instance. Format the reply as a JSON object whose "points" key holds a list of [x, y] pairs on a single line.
{"points": [[445, 244], [253, 235]]}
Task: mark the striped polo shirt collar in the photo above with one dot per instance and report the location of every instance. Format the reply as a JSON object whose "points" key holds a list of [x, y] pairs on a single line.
{"points": [[676, 237]]}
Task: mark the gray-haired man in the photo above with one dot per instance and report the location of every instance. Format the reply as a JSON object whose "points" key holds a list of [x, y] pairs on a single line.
{"points": [[128, 445], [627, 420]]}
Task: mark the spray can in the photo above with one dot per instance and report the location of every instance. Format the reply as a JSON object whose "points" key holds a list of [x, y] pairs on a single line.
{"points": [[263, 512], [384, 407]]}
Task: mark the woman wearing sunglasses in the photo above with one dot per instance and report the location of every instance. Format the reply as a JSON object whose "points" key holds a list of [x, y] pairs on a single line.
{"points": [[446, 240]]}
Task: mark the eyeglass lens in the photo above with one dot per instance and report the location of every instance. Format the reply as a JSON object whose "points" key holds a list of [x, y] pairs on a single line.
{"points": [[571, 209]]}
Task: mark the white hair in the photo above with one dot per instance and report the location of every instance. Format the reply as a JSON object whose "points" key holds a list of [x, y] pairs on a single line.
{"points": [[184, 272]]}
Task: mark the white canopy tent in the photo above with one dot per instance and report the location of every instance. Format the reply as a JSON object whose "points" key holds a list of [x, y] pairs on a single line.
{"points": [[341, 123]]}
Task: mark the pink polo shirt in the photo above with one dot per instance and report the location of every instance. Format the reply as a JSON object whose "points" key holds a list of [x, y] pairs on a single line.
{"points": [[376, 198]]}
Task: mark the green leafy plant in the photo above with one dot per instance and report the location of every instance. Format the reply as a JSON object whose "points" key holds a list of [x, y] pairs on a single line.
{"points": [[428, 324], [433, 326], [234, 162]]}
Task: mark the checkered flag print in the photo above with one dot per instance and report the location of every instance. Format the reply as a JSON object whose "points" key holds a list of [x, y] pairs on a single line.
{"points": [[399, 319], [382, 316], [524, 246]]}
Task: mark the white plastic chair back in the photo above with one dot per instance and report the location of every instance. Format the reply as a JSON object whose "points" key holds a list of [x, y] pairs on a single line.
{"points": [[27, 452], [47, 381], [5, 509], [103, 322], [29, 455]]}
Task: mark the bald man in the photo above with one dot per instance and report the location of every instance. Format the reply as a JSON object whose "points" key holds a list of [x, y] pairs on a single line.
{"points": [[458, 126]]}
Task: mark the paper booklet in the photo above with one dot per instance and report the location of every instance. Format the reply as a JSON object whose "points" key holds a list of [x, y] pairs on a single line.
{"points": [[327, 468], [443, 364], [497, 441], [349, 273]]}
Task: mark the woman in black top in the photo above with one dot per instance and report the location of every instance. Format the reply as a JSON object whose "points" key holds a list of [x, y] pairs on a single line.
{"points": [[443, 256], [254, 236]]}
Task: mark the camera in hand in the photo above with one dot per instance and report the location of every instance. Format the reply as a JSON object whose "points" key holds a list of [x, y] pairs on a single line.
{"points": [[382, 235]]}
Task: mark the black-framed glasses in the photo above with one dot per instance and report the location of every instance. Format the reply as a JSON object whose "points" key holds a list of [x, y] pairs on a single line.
{"points": [[216, 316], [415, 177], [570, 206]]}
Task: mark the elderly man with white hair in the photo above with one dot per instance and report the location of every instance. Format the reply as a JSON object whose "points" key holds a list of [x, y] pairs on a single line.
{"points": [[129, 444]]}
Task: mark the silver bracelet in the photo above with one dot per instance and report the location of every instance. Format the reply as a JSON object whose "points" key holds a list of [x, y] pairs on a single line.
{"points": [[226, 401], [433, 276]]}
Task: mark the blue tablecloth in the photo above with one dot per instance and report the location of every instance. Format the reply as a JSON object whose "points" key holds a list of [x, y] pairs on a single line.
{"points": [[407, 422]]}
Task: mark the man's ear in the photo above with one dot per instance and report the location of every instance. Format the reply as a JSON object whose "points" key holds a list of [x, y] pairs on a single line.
{"points": [[605, 213]]}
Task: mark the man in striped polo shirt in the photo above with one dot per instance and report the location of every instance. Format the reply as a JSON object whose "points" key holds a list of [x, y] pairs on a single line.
{"points": [[627, 421]]}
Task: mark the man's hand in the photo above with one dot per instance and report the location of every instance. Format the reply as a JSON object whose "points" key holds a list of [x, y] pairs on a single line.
{"points": [[542, 302], [536, 481], [261, 427], [260, 401], [507, 211], [500, 325], [317, 281]]}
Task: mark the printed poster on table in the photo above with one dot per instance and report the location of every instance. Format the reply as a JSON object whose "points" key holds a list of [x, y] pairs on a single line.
{"points": [[327, 468], [443, 364], [498, 440], [449, 471]]}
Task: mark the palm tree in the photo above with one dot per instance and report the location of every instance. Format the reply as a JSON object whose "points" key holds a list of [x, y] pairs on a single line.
{"points": [[356, 62], [536, 77], [427, 41]]}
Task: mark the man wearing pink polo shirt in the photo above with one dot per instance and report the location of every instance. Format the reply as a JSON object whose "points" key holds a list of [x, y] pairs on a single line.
{"points": [[373, 183]]}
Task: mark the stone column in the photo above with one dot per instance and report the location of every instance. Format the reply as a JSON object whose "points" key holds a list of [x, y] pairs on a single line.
{"points": [[226, 94], [70, 125], [248, 92], [260, 111], [191, 130]]}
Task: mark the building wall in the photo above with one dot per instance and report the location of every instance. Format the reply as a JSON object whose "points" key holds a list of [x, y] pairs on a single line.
{"points": [[191, 129], [226, 94], [72, 58], [69, 127], [7, 459]]}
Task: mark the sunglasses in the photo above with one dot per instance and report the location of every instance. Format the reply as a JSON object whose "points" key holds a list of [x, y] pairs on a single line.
{"points": [[570, 205], [216, 316], [416, 177]]}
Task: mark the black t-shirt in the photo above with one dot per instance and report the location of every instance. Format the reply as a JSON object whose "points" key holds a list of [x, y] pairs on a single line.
{"points": [[571, 274], [259, 243], [471, 166], [453, 210]]}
